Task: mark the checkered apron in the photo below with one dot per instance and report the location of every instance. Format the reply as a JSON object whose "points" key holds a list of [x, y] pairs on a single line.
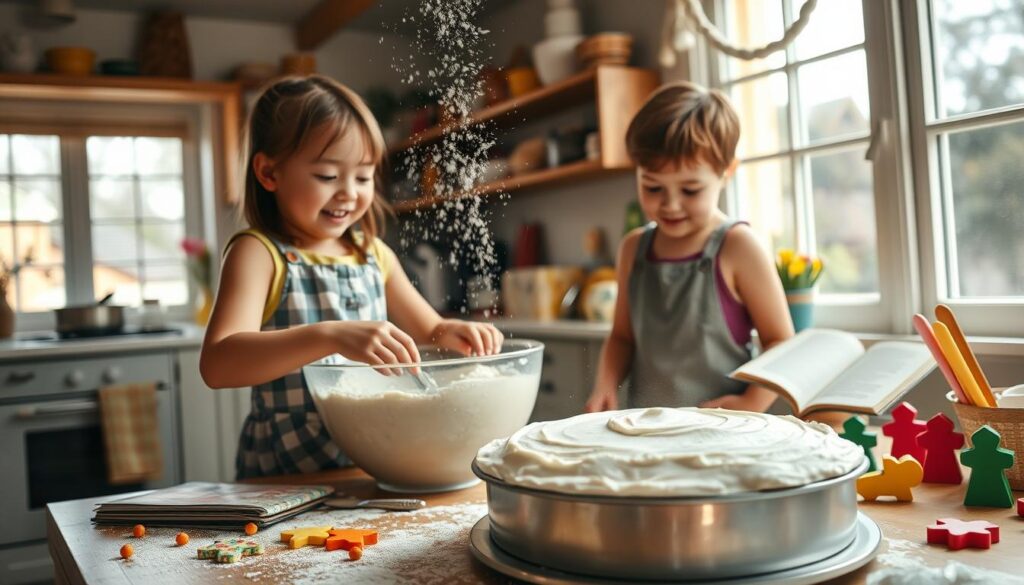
{"points": [[283, 432]]}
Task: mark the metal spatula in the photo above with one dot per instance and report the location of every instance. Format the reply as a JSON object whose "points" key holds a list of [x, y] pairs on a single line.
{"points": [[393, 504], [425, 380]]}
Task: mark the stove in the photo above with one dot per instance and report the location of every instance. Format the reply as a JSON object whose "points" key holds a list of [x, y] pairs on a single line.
{"points": [[126, 331], [51, 431]]}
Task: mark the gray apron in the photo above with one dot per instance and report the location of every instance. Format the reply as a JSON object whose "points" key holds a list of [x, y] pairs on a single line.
{"points": [[683, 348]]}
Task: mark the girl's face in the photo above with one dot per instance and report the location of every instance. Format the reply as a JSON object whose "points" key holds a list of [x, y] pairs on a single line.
{"points": [[323, 188], [681, 198]]}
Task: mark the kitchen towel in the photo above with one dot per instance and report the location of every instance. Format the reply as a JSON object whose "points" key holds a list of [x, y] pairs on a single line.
{"points": [[131, 433]]}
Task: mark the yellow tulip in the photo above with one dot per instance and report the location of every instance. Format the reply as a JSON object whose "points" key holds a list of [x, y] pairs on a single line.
{"points": [[816, 267], [797, 267], [785, 256]]}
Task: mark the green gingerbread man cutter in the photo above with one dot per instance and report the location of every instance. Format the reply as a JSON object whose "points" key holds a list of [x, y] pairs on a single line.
{"points": [[988, 462]]}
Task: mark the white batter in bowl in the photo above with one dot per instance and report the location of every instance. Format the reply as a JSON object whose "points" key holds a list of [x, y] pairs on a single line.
{"points": [[413, 437]]}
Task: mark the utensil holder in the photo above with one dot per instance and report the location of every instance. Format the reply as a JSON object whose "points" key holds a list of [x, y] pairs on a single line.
{"points": [[1008, 422]]}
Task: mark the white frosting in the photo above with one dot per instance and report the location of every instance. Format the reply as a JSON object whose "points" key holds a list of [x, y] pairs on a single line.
{"points": [[669, 452]]}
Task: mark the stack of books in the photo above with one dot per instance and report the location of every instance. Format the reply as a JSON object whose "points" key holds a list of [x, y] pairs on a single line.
{"points": [[213, 505]]}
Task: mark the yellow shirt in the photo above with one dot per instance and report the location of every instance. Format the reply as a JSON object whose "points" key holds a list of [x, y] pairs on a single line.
{"points": [[378, 249]]}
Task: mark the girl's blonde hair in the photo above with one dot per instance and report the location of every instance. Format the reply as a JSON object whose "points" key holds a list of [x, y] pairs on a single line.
{"points": [[286, 114]]}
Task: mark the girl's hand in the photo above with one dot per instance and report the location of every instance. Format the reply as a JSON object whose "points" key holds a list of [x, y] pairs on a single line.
{"points": [[602, 400], [377, 343], [467, 337]]}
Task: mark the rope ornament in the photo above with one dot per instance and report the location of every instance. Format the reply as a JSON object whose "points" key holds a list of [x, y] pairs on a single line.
{"points": [[677, 36]]}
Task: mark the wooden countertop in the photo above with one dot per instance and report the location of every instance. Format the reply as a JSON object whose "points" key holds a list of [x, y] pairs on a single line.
{"points": [[431, 545]]}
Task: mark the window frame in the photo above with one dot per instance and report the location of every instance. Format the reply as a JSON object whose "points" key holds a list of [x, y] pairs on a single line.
{"points": [[977, 316], [881, 312], [907, 187], [74, 122]]}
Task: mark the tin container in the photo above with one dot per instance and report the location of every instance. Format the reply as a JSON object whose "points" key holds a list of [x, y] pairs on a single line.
{"points": [[675, 539]]}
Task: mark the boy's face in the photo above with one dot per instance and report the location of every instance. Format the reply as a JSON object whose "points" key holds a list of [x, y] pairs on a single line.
{"points": [[681, 198], [323, 189]]}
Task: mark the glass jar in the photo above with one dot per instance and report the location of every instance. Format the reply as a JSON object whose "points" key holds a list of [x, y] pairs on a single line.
{"points": [[153, 316]]}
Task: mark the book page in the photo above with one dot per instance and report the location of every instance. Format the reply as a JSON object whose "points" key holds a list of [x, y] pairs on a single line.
{"points": [[885, 372], [804, 365]]}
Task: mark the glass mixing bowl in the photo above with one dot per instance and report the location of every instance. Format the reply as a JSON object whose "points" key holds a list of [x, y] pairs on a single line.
{"points": [[420, 432]]}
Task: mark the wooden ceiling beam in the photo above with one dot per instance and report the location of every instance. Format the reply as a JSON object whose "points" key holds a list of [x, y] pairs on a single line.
{"points": [[325, 19]]}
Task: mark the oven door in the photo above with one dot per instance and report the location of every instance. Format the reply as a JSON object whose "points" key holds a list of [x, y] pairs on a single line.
{"points": [[53, 451]]}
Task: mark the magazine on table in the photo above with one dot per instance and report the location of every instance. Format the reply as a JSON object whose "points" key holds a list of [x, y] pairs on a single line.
{"points": [[213, 505]]}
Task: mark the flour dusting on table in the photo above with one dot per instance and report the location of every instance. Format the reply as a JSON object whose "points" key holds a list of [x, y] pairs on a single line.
{"points": [[903, 568], [422, 547]]}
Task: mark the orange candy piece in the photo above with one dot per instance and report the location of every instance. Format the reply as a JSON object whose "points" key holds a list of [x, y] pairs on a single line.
{"points": [[139, 531], [181, 539], [355, 553], [251, 529], [127, 551]]}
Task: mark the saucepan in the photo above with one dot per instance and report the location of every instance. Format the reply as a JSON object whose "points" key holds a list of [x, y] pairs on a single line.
{"points": [[100, 318]]}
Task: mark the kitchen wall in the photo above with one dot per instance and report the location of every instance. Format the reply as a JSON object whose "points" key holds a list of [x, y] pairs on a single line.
{"points": [[568, 212], [362, 59], [219, 45], [359, 59]]}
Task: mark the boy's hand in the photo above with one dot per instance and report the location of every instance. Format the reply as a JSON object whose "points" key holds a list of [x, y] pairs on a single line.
{"points": [[601, 401], [752, 400], [468, 337]]}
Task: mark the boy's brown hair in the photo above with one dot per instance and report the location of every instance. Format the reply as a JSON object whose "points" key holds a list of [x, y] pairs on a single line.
{"points": [[684, 122], [286, 114]]}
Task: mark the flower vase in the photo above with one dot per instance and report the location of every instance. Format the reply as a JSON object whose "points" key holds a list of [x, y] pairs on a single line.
{"points": [[801, 307], [6, 316], [205, 307]]}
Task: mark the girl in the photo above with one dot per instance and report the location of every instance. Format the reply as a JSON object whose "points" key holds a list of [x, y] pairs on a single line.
{"points": [[310, 279], [693, 283]]}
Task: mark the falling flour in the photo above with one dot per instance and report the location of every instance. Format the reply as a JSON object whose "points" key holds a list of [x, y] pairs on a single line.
{"points": [[450, 52]]}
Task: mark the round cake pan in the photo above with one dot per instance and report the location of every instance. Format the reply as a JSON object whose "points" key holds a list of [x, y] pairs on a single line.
{"points": [[678, 539]]}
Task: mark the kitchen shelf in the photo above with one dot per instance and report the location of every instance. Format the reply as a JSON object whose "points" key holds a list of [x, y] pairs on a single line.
{"points": [[573, 91], [224, 96], [617, 93], [584, 169]]}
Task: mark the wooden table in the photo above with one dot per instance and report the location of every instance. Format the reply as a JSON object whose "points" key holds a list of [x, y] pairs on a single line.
{"points": [[430, 546]]}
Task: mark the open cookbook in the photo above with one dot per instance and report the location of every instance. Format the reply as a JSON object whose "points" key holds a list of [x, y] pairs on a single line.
{"points": [[824, 369], [213, 505]]}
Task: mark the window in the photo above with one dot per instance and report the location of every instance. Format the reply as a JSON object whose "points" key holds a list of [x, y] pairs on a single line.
{"points": [[31, 220], [968, 134], [96, 214], [137, 212], [975, 128], [934, 89], [805, 113]]}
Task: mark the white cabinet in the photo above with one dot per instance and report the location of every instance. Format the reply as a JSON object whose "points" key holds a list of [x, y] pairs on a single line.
{"points": [[563, 390], [211, 421], [570, 366]]}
